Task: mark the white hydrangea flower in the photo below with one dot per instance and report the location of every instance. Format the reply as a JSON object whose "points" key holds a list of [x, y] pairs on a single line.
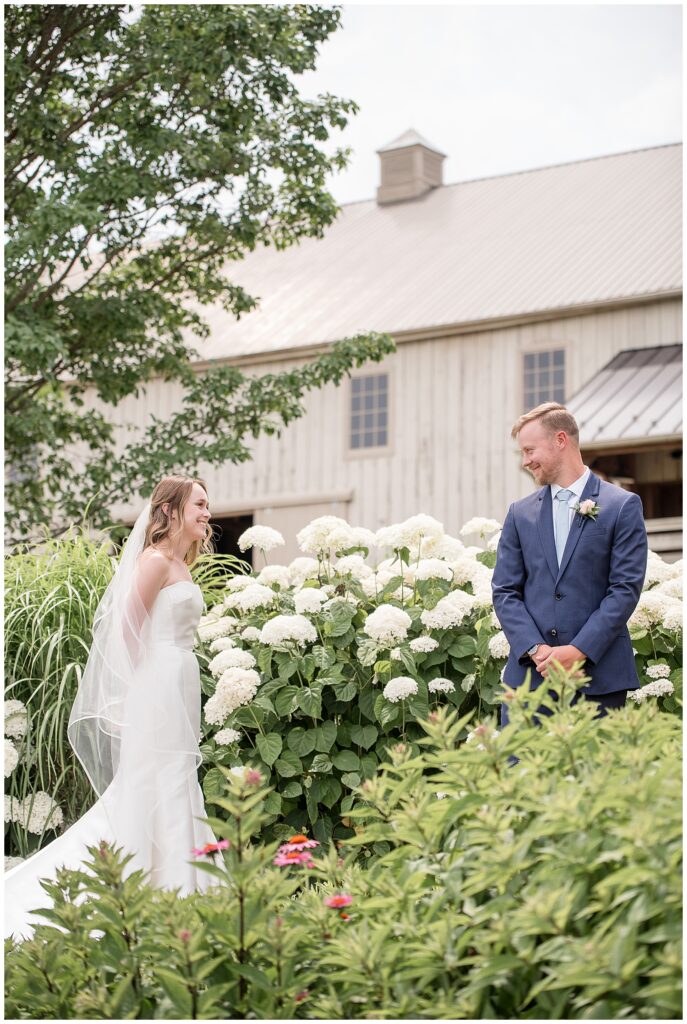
{"points": [[255, 596], [236, 687], [225, 737], [16, 719], [302, 569], [353, 565], [671, 588], [239, 581], [343, 537], [288, 628], [652, 609], [493, 542], [39, 813], [433, 568], [262, 537], [423, 644], [210, 628], [658, 671], [250, 634], [400, 689], [657, 570], [412, 533], [450, 611], [395, 654], [440, 685], [12, 809], [232, 658], [315, 538], [272, 574], [341, 598], [481, 526], [656, 688], [13, 862], [468, 682], [387, 624], [446, 547], [499, 646], [11, 758], [674, 619], [310, 599], [222, 643]]}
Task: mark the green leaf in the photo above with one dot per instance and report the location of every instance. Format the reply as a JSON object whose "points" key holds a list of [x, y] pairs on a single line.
{"points": [[291, 790], [272, 803], [327, 790], [214, 784], [385, 712], [310, 702], [269, 747], [325, 736], [346, 761], [367, 652], [364, 735], [463, 646], [288, 764], [301, 741], [320, 763], [345, 691], [285, 700], [351, 779]]}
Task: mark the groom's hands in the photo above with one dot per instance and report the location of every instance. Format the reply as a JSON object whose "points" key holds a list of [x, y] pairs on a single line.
{"points": [[566, 655]]}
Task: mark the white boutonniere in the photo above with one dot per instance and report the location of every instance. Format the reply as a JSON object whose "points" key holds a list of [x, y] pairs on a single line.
{"points": [[588, 508]]}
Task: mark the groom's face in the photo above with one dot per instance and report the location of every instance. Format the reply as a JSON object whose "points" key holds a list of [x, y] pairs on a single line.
{"points": [[541, 454]]}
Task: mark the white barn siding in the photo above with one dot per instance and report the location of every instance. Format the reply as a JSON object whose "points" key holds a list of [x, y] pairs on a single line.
{"points": [[453, 401]]}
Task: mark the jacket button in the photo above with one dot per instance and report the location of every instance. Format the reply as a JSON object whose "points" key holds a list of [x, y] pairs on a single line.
{"points": [[554, 632], [558, 597]]}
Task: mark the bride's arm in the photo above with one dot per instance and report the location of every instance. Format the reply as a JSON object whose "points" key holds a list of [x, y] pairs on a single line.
{"points": [[150, 576]]}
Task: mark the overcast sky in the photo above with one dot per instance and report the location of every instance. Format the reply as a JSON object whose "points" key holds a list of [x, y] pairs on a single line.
{"points": [[500, 89]]}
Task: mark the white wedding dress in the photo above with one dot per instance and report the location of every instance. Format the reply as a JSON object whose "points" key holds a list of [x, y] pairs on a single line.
{"points": [[153, 807]]}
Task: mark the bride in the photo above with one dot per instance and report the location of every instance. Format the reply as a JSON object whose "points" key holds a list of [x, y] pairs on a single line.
{"points": [[135, 723]]}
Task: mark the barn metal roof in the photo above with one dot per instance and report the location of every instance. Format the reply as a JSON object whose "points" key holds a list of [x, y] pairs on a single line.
{"points": [[637, 397], [602, 229]]}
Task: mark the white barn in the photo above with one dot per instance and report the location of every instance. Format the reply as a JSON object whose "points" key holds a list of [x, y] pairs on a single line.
{"points": [[500, 293]]}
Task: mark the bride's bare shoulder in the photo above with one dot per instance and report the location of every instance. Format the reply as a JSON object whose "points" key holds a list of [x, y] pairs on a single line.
{"points": [[153, 563]]}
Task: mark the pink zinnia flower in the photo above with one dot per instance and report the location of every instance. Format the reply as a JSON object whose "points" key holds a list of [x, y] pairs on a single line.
{"points": [[338, 901], [210, 848], [293, 857], [298, 842]]}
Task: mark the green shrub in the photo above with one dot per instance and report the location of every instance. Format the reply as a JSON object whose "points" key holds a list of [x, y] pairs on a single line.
{"points": [[548, 889]]}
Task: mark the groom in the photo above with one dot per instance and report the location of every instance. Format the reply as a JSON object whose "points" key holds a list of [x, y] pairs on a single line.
{"points": [[570, 566]]}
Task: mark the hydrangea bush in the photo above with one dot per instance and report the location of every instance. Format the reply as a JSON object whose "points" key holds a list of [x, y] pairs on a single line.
{"points": [[314, 669]]}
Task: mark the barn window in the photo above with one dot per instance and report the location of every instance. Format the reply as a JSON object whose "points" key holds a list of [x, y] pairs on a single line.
{"points": [[544, 376], [369, 411]]}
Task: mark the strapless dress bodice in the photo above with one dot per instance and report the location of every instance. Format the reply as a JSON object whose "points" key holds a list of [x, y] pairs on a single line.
{"points": [[175, 615]]}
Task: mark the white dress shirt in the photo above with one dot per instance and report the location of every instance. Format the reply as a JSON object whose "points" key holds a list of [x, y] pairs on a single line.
{"points": [[577, 488]]}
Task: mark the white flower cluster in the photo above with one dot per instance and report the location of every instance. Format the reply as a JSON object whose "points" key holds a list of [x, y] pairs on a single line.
{"points": [[450, 611], [433, 569], [387, 624], [236, 686], [11, 758], [657, 688], [234, 657], [302, 569], [250, 633], [275, 574], [316, 537], [400, 688], [480, 526], [222, 643], [499, 646], [658, 671], [493, 542], [37, 813], [341, 538], [309, 599], [239, 581], [262, 537], [13, 862], [250, 598], [16, 719], [655, 609], [212, 628], [353, 565], [225, 737], [414, 533], [423, 644], [660, 571], [395, 654], [288, 628], [440, 685]]}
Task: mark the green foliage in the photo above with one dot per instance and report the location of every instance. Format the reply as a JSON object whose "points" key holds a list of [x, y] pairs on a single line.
{"points": [[146, 151], [547, 889], [50, 602]]}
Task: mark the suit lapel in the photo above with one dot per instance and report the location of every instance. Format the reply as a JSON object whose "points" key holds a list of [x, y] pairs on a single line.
{"points": [[591, 490], [545, 526]]}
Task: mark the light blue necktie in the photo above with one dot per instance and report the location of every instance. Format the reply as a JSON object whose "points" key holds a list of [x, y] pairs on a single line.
{"points": [[561, 522]]}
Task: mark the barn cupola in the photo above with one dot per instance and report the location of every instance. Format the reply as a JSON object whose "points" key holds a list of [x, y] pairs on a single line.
{"points": [[410, 167]]}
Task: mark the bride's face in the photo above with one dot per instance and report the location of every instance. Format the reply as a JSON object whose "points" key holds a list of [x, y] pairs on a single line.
{"points": [[196, 514]]}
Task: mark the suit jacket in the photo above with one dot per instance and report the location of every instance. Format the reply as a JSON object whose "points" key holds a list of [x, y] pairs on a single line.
{"points": [[585, 602]]}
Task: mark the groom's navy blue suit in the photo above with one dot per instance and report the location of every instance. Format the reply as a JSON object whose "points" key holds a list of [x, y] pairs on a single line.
{"points": [[588, 600]]}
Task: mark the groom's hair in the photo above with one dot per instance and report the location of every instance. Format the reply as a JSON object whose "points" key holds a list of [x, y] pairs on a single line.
{"points": [[554, 417]]}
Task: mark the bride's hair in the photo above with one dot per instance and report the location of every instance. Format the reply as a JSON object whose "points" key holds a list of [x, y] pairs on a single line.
{"points": [[174, 491]]}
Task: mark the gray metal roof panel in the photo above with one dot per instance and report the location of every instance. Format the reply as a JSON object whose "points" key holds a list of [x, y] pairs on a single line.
{"points": [[636, 396]]}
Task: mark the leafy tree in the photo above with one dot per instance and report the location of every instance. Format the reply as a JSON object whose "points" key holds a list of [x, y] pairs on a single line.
{"points": [[147, 149]]}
